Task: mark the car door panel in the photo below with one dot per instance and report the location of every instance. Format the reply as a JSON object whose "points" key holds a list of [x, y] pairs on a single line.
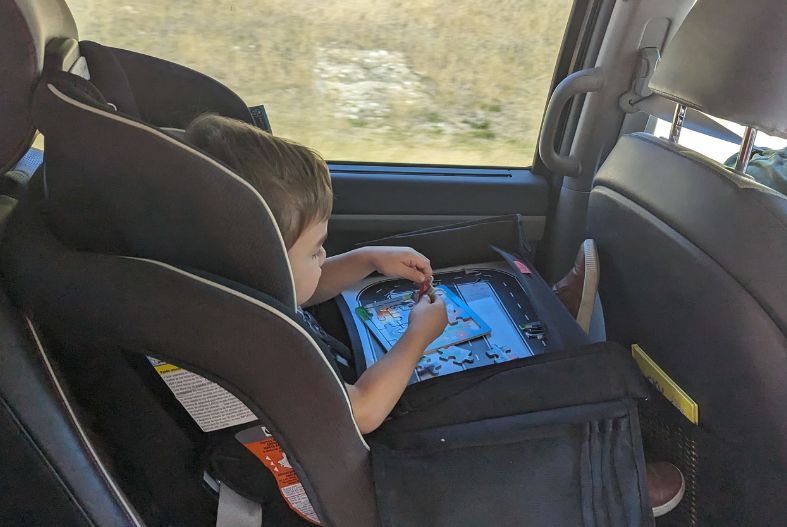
{"points": [[372, 201]]}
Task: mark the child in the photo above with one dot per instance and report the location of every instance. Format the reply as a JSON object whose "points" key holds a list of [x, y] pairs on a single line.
{"points": [[297, 187], [296, 184]]}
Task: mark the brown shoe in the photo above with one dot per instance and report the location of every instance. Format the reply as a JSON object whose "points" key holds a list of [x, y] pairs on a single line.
{"points": [[665, 487], [577, 290]]}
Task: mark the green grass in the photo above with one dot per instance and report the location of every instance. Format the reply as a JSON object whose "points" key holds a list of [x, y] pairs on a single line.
{"points": [[480, 70]]}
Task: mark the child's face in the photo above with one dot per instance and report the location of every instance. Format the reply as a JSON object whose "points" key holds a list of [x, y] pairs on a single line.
{"points": [[306, 258]]}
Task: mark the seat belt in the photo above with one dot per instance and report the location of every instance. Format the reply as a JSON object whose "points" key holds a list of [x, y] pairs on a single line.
{"points": [[237, 511]]}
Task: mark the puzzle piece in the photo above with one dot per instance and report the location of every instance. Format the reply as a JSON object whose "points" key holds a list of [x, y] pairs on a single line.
{"points": [[429, 365], [450, 366], [457, 355], [499, 353], [455, 314], [496, 354]]}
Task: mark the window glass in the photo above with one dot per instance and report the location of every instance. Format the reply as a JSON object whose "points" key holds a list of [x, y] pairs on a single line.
{"points": [[714, 148], [767, 165], [420, 81]]}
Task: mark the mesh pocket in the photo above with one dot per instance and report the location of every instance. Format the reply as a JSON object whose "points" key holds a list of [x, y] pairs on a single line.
{"points": [[668, 436]]}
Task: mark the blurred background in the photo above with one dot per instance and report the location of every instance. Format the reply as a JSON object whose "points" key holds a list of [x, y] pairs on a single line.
{"points": [[418, 81]]}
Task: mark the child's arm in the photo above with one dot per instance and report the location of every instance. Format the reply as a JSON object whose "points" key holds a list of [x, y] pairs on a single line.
{"points": [[344, 270], [378, 389]]}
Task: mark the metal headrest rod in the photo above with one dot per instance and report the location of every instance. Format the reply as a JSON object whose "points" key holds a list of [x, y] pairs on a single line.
{"points": [[744, 154], [677, 123], [749, 135]]}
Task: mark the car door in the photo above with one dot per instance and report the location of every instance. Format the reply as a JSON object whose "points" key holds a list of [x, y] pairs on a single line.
{"points": [[428, 111], [468, 149]]}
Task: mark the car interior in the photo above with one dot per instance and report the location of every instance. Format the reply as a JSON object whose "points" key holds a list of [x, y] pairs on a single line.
{"points": [[122, 262]]}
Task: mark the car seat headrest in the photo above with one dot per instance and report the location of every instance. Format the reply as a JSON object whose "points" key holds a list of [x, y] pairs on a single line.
{"points": [[77, 88], [157, 91], [26, 28], [727, 60], [118, 186], [108, 75]]}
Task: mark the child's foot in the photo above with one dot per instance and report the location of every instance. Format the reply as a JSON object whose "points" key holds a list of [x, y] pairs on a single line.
{"points": [[665, 487], [577, 290]]}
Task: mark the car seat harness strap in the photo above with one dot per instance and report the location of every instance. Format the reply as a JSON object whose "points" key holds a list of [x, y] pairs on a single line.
{"points": [[237, 511]]}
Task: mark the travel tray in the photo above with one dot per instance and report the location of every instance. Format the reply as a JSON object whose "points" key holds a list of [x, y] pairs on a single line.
{"points": [[551, 439]]}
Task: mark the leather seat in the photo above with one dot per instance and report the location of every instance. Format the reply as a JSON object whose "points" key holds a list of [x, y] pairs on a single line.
{"points": [[52, 472], [694, 259]]}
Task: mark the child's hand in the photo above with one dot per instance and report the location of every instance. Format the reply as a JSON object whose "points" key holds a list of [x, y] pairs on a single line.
{"points": [[400, 262], [428, 319]]}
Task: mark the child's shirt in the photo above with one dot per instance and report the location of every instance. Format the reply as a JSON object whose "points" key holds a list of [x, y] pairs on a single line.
{"points": [[338, 352]]}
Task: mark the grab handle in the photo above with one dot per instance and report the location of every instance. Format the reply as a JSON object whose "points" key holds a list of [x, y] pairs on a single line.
{"points": [[582, 81]]}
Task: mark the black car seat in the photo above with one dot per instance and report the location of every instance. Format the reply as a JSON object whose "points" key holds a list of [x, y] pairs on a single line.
{"points": [[157, 91], [170, 255], [117, 253], [83, 220], [695, 265], [52, 473], [42, 398]]}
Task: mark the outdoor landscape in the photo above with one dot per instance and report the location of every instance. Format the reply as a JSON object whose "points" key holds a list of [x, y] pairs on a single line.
{"points": [[421, 81]]}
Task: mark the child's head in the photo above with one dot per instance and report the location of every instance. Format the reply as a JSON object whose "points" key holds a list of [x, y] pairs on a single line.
{"points": [[293, 179]]}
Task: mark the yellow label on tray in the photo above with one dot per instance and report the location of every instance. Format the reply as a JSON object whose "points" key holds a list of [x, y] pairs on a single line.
{"points": [[664, 384]]}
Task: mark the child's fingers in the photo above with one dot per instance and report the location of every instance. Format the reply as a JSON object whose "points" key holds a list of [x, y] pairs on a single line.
{"points": [[423, 301], [425, 268], [430, 297], [424, 265], [420, 262], [436, 298], [412, 274]]}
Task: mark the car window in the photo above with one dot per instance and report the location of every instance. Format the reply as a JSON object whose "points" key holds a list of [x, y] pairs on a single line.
{"points": [[768, 162], [420, 81], [713, 147]]}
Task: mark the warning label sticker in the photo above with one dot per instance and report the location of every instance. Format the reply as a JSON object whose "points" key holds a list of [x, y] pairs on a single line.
{"points": [[260, 442], [211, 406]]}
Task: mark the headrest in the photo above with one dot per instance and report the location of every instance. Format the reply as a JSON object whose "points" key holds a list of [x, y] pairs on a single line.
{"points": [[118, 186], [157, 91], [26, 27], [728, 60]]}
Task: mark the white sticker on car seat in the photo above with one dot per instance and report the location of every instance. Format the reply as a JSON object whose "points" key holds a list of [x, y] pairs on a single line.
{"points": [[211, 406]]}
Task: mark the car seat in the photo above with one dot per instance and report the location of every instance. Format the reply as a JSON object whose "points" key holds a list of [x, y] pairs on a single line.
{"points": [[695, 265], [53, 471], [43, 411], [125, 247]]}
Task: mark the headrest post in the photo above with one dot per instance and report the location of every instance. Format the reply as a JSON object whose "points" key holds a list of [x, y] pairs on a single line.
{"points": [[708, 68], [677, 123], [749, 135]]}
